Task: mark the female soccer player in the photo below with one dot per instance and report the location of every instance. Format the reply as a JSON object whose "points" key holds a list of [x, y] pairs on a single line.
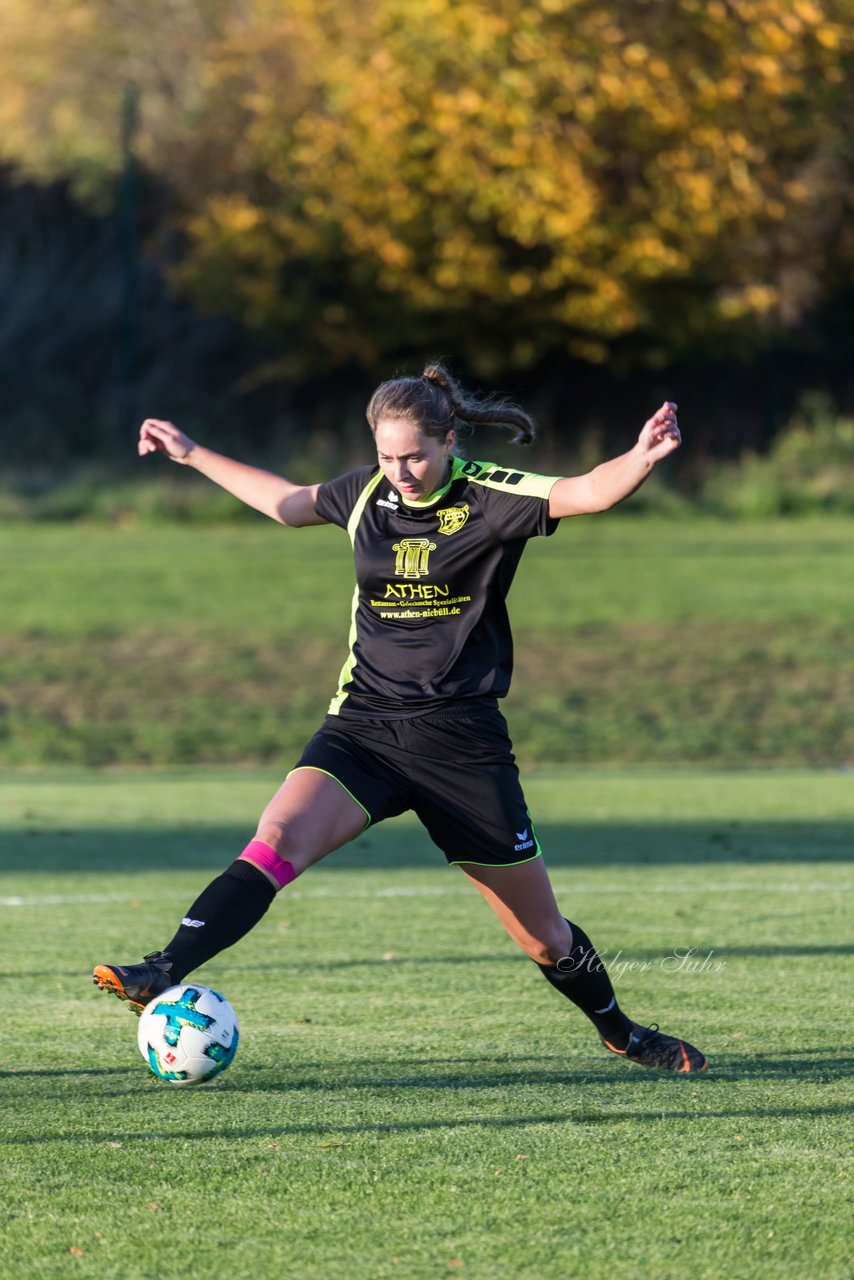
{"points": [[415, 722]]}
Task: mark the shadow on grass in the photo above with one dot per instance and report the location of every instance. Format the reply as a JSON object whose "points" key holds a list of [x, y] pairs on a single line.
{"points": [[720, 953], [80, 1073], [114, 850], [497, 1075], [333, 1133], [459, 1075]]}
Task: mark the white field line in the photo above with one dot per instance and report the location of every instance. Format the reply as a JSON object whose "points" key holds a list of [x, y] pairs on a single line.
{"points": [[61, 900], [400, 891]]}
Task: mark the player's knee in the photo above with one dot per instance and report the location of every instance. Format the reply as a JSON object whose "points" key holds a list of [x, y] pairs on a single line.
{"points": [[279, 836], [543, 954], [550, 947], [294, 840]]}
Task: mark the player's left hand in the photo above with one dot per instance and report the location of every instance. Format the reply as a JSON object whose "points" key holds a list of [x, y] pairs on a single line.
{"points": [[660, 434]]}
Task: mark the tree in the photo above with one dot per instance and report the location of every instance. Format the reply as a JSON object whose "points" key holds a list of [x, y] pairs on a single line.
{"points": [[498, 178]]}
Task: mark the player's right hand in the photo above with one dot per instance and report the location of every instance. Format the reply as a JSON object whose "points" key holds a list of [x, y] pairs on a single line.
{"points": [[156, 436]]}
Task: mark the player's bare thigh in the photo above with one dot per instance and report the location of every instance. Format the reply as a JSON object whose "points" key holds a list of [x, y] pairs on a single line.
{"points": [[522, 898], [310, 815]]}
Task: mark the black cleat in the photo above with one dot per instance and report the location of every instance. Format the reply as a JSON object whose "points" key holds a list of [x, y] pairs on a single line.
{"points": [[652, 1048], [139, 984]]}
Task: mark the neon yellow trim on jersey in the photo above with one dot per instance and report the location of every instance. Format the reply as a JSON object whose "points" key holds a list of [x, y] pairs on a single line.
{"points": [[510, 480], [421, 503], [492, 475], [361, 503], [350, 661]]}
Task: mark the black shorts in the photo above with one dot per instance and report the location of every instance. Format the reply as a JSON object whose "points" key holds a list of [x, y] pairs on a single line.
{"points": [[454, 768]]}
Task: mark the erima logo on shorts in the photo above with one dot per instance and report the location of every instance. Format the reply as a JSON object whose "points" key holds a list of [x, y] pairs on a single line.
{"points": [[524, 842], [192, 924]]}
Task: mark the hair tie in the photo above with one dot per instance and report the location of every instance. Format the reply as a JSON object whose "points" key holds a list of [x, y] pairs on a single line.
{"points": [[430, 377]]}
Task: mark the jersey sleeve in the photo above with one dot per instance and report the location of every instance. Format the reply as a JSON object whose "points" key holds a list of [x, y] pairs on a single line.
{"points": [[337, 498], [515, 503]]}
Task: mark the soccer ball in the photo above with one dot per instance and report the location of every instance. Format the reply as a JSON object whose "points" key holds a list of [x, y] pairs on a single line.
{"points": [[188, 1034]]}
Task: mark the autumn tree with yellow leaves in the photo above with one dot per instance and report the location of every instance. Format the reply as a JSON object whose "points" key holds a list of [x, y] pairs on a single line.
{"points": [[494, 178]]}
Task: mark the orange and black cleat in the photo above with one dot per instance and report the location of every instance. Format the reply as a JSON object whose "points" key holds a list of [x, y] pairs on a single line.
{"points": [[651, 1048], [138, 984]]}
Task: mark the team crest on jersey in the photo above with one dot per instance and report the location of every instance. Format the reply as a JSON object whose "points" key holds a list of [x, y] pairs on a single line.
{"points": [[413, 557], [451, 519]]}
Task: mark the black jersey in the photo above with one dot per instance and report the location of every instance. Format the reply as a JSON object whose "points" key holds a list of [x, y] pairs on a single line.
{"points": [[429, 623]]}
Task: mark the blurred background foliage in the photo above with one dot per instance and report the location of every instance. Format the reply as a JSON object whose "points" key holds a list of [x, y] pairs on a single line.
{"points": [[243, 213]]}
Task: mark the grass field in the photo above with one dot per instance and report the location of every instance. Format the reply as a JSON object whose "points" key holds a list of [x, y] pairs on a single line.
{"points": [[410, 1099], [638, 640]]}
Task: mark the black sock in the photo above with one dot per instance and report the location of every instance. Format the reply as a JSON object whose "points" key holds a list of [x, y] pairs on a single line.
{"points": [[227, 909], [582, 978]]}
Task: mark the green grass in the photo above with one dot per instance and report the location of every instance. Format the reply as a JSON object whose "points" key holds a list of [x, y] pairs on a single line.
{"points": [[638, 640], [410, 1099]]}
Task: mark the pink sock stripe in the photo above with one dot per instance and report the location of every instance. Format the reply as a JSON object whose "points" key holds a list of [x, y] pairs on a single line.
{"points": [[263, 856]]}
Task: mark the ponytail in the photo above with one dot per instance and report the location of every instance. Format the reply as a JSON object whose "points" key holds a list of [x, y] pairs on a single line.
{"points": [[437, 403]]}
